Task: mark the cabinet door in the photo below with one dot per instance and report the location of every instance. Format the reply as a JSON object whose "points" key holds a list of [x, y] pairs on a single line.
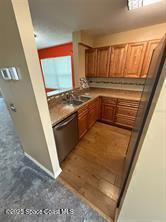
{"points": [[108, 113], [92, 116], [134, 59], [90, 62], [103, 59], [148, 55], [118, 59], [98, 108], [83, 120], [83, 124]]}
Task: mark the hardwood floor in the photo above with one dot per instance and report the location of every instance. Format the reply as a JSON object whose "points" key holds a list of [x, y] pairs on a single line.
{"points": [[93, 169]]}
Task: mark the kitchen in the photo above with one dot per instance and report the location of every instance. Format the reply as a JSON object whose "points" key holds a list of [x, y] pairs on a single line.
{"points": [[93, 121]]}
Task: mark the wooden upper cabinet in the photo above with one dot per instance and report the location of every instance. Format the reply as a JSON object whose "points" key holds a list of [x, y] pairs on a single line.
{"points": [[118, 59], [148, 55], [103, 58], [134, 59], [130, 60], [90, 62]]}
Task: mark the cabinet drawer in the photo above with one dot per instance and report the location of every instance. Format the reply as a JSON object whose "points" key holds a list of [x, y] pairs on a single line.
{"points": [[109, 100], [83, 113], [124, 120], [128, 103], [83, 110], [127, 111], [92, 104]]}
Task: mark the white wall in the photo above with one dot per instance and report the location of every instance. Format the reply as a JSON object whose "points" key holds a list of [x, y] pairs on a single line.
{"points": [[76, 38], [145, 200], [79, 53], [134, 35], [32, 119]]}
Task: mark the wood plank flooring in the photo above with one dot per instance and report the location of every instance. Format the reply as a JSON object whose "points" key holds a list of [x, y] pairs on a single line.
{"points": [[93, 169]]}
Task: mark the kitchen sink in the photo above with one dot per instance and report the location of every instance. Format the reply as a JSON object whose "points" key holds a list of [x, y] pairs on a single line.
{"points": [[74, 102], [84, 98], [77, 100]]}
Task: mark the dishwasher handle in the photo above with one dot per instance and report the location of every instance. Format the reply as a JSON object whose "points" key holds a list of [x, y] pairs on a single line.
{"points": [[65, 123]]}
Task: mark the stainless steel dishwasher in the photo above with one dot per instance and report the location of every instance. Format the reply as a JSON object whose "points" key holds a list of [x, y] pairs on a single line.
{"points": [[66, 136]]}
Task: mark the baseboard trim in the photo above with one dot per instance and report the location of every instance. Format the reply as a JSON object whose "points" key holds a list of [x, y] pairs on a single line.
{"points": [[54, 176]]}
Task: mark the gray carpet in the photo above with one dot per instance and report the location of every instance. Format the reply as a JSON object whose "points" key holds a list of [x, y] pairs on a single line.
{"points": [[23, 185]]}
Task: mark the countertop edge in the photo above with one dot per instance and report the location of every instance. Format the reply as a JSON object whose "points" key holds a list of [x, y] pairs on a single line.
{"points": [[75, 109]]}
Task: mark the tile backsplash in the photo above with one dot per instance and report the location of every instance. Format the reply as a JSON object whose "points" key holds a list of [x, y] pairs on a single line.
{"points": [[117, 83]]}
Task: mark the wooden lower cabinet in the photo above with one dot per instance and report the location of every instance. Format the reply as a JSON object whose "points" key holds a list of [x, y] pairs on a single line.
{"points": [[88, 115], [108, 113], [83, 124], [92, 117], [121, 112], [126, 112], [93, 114], [124, 120], [97, 103], [108, 109], [127, 103], [115, 111], [83, 120]]}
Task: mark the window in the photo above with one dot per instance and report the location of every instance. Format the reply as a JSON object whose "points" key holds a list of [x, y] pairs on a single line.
{"points": [[57, 72]]}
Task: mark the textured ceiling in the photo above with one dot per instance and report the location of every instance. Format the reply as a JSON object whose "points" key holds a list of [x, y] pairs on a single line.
{"points": [[55, 20]]}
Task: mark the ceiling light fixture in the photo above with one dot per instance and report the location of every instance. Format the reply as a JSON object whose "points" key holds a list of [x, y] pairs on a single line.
{"points": [[133, 4]]}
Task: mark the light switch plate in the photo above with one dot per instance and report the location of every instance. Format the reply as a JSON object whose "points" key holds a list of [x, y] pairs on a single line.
{"points": [[14, 73], [6, 74]]}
